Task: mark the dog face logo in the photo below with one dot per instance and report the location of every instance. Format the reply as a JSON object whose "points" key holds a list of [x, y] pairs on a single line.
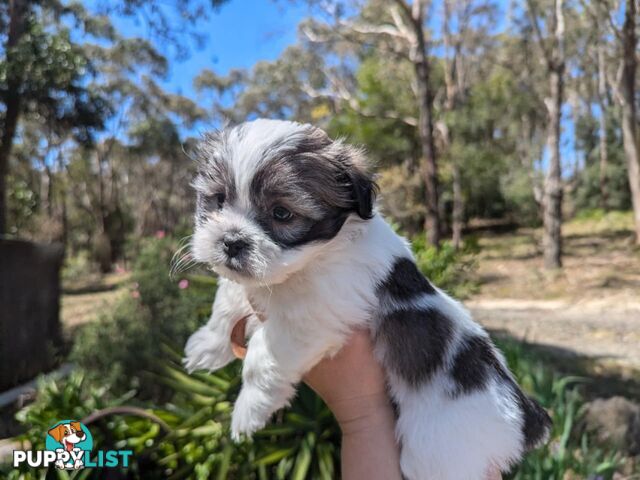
{"points": [[70, 439]]}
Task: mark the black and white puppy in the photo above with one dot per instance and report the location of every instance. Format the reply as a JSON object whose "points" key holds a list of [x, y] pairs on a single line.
{"points": [[286, 216]]}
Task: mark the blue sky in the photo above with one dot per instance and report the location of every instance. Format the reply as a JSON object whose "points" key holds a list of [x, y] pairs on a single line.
{"points": [[239, 34]]}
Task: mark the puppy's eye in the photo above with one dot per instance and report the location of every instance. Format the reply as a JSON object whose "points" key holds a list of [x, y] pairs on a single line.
{"points": [[215, 201], [281, 214]]}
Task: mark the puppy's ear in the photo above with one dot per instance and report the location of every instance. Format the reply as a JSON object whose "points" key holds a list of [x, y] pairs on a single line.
{"points": [[57, 432], [76, 426], [360, 180], [340, 172]]}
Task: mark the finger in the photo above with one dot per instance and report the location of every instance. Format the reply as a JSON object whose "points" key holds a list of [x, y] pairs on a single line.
{"points": [[493, 473], [238, 338]]}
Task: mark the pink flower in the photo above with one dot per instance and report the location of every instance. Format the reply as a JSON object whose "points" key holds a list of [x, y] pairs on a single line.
{"points": [[160, 234], [184, 283], [135, 294]]}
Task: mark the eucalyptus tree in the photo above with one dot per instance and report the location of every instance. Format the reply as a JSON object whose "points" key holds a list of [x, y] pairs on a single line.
{"points": [[467, 40], [43, 74], [604, 107], [597, 129], [549, 30], [276, 89], [130, 175], [48, 54], [621, 18]]}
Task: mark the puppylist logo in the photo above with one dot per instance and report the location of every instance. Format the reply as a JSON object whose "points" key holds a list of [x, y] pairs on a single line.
{"points": [[68, 446]]}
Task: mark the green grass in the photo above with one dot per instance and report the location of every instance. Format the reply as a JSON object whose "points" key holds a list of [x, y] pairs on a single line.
{"points": [[598, 221]]}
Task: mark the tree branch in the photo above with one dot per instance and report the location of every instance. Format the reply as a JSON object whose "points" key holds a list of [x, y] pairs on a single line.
{"points": [[533, 18], [405, 8], [399, 23], [368, 29], [342, 34], [339, 93]]}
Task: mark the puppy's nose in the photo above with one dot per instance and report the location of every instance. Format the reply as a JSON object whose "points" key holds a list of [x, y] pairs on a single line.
{"points": [[234, 246], [80, 434]]}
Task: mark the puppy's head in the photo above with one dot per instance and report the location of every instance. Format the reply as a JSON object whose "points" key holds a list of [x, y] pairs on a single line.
{"points": [[68, 432], [271, 193]]}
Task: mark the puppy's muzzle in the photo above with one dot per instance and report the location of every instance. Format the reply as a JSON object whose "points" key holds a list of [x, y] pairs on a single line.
{"points": [[234, 245]]}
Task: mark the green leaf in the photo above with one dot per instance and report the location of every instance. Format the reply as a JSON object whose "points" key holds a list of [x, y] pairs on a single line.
{"points": [[303, 459], [190, 384], [225, 464], [275, 456]]}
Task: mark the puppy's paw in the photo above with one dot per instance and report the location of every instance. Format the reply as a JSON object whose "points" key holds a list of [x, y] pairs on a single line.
{"points": [[206, 350], [246, 418]]}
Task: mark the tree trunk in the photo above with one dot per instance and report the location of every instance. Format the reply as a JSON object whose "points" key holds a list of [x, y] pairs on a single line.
{"points": [[629, 114], [603, 140], [64, 238], [425, 133], [103, 240], [458, 207], [454, 86], [48, 199], [552, 199], [552, 196], [64, 218], [12, 102]]}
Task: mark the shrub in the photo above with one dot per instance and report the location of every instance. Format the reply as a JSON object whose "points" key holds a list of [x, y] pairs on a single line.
{"points": [[601, 221], [74, 397], [566, 455], [302, 442], [446, 267], [77, 266], [124, 344], [587, 190]]}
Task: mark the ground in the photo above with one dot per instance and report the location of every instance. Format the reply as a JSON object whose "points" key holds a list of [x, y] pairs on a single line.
{"points": [[84, 299], [591, 306]]}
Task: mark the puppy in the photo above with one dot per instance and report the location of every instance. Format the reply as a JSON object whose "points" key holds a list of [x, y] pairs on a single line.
{"points": [[286, 217], [68, 434]]}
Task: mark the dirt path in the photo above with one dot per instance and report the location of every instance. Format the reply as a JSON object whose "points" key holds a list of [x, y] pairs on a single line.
{"points": [[605, 332], [84, 301], [591, 307]]}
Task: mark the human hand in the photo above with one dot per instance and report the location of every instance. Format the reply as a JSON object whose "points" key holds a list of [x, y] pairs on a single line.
{"points": [[352, 384]]}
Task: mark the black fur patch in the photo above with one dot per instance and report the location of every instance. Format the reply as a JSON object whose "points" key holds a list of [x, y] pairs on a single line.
{"points": [[415, 342], [405, 281], [214, 171], [214, 177], [324, 229], [537, 422], [314, 179], [473, 364], [472, 368]]}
